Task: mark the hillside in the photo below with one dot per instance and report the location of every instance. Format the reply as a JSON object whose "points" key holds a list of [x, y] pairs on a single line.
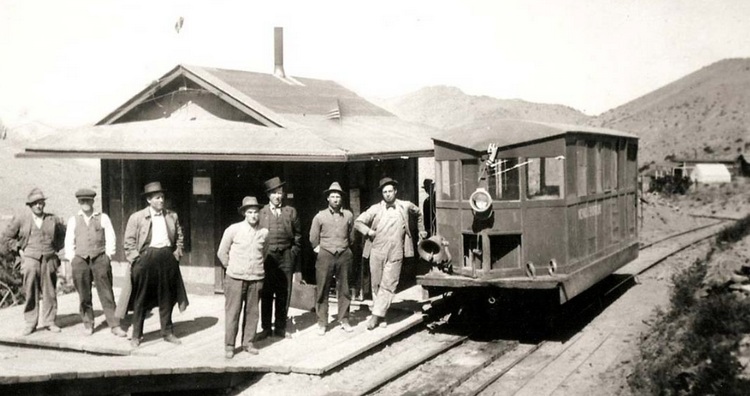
{"points": [[58, 178], [447, 107], [705, 114]]}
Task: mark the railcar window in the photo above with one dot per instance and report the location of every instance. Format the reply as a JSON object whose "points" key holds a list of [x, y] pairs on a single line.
{"points": [[631, 167], [504, 180], [448, 182], [470, 177], [609, 162], [581, 161], [593, 172], [545, 178]]}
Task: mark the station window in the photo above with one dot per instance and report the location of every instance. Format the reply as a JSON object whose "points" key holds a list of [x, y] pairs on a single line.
{"points": [[470, 177], [448, 182], [545, 177], [504, 180]]}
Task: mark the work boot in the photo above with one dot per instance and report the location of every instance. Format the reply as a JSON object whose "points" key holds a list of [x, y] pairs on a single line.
{"points": [[53, 328], [135, 342], [172, 339], [373, 322], [229, 352], [88, 330], [251, 349], [28, 330], [346, 327], [263, 334], [321, 330], [117, 331]]}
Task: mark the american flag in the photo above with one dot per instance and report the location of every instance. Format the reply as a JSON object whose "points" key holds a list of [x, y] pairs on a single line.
{"points": [[335, 113]]}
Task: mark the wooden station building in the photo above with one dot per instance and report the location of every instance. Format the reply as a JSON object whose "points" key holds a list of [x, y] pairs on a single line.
{"points": [[212, 136]]}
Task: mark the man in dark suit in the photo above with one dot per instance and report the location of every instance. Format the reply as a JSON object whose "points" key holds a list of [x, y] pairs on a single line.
{"points": [[282, 261], [153, 246], [37, 237]]}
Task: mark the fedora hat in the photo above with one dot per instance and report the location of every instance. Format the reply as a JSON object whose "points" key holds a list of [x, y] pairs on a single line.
{"points": [[386, 181], [273, 183], [35, 195], [427, 184], [248, 202], [85, 193], [334, 187], [153, 187]]}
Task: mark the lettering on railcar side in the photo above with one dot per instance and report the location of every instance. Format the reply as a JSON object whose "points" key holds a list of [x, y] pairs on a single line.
{"points": [[589, 211]]}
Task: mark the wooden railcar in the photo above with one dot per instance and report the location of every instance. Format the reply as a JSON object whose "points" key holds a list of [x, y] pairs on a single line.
{"points": [[531, 206]]}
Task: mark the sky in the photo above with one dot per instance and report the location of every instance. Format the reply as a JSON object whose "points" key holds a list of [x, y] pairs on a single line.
{"points": [[70, 63]]}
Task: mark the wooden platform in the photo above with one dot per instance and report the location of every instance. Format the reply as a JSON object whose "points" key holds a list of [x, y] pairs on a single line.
{"points": [[201, 329]]}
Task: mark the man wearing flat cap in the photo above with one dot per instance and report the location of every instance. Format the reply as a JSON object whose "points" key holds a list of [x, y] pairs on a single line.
{"points": [[36, 237], [388, 240], [89, 246], [241, 251], [331, 238], [153, 246], [282, 261]]}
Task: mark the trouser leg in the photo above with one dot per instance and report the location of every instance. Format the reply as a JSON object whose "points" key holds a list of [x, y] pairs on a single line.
{"points": [[251, 293], [388, 284], [167, 272], [343, 266], [82, 283], [284, 293], [232, 307], [377, 261], [31, 269], [139, 277], [48, 275], [102, 274], [323, 278]]}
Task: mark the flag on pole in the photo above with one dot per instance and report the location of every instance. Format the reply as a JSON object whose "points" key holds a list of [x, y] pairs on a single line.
{"points": [[178, 24], [335, 113]]}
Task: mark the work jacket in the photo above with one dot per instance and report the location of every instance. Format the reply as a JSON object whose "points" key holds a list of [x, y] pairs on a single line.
{"points": [[370, 219], [138, 233]]}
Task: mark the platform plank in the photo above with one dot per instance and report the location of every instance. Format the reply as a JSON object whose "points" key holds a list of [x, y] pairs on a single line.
{"points": [[71, 355]]}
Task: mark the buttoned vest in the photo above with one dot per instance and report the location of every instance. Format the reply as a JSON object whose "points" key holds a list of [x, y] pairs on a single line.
{"points": [[89, 238], [278, 237], [39, 243]]}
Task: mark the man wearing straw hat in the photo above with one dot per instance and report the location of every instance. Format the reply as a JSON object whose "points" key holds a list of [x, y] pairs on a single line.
{"points": [[153, 246], [331, 237], [281, 263], [36, 237], [89, 246], [385, 226], [241, 252]]}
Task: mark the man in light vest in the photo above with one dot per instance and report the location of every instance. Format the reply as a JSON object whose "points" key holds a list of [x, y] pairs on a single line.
{"points": [[89, 246]]}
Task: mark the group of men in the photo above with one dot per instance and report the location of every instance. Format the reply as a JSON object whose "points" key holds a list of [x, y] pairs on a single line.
{"points": [[261, 255], [153, 245]]}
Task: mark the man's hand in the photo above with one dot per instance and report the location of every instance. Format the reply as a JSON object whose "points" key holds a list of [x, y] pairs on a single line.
{"points": [[177, 254], [422, 235], [20, 253], [371, 234], [297, 277], [317, 249]]}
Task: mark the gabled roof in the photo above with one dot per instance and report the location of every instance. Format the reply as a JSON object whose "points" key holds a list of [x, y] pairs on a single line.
{"points": [[293, 113], [230, 140], [507, 132]]}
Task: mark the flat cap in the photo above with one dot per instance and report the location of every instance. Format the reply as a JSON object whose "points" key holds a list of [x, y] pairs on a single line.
{"points": [[85, 193]]}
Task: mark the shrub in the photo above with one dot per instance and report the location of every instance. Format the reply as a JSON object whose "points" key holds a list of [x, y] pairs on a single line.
{"points": [[670, 185]]}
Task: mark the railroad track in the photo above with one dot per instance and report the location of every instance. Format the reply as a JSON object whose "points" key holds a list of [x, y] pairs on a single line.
{"points": [[465, 366]]}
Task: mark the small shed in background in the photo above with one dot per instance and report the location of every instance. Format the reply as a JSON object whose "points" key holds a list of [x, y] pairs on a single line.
{"points": [[710, 174]]}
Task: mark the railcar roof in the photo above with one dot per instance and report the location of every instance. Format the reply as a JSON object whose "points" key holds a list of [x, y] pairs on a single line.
{"points": [[506, 132]]}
